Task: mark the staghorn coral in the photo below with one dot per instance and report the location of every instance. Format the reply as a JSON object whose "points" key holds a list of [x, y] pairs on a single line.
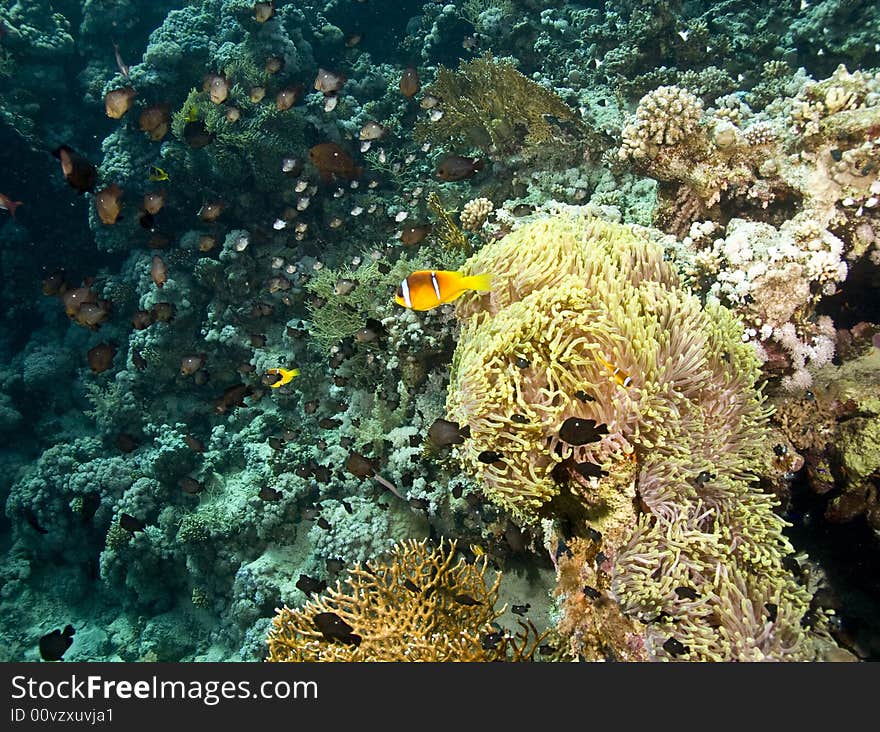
{"points": [[421, 605], [490, 105], [593, 325]]}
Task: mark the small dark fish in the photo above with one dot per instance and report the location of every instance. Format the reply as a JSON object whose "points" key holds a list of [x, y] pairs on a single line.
{"points": [[420, 504], [490, 641], [232, 397], [772, 610], [442, 432], [466, 600], [522, 363], [686, 593], [54, 644], [334, 628], [704, 478], [809, 619], [310, 585], [126, 443], [100, 358], [346, 505], [583, 396], [457, 490], [791, 564], [577, 431], [130, 523], [562, 548], [142, 319], [591, 592], [80, 174], [523, 209], [191, 486], [489, 456], [520, 609], [411, 586], [323, 523], [590, 470], [457, 167], [519, 419], [335, 566], [269, 494], [675, 647], [276, 443], [194, 443], [196, 134], [322, 473], [545, 649], [593, 535], [601, 558], [359, 466]]}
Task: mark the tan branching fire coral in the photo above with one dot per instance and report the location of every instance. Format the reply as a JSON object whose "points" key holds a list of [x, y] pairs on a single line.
{"points": [[419, 605]]}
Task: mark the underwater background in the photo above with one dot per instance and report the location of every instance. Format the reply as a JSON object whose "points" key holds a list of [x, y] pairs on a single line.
{"points": [[633, 415]]}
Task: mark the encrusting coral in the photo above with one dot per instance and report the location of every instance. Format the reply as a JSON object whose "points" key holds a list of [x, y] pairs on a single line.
{"points": [[420, 605], [589, 371]]}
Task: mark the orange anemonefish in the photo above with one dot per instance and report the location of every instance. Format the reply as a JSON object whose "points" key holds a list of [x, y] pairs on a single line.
{"points": [[285, 374], [620, 376], [429, 288]]}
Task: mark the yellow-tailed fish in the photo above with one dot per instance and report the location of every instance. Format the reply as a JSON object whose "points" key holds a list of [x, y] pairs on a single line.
{"points": [[429, 288], [157, 174], [620, 376], [285, 374], [192, 114], [477, 550]]}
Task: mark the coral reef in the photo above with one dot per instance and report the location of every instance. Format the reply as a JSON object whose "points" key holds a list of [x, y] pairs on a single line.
{"points": [[237, 200]]}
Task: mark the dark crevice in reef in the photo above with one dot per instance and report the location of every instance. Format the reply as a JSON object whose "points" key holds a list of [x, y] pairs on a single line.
{"points": [[848, 554]]}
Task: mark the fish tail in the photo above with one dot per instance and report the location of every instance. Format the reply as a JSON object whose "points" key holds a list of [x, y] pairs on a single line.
{"points": [[481, 282]]}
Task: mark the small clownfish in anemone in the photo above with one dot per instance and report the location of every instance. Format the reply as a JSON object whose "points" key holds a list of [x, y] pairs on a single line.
{"points": [[621, 377], [283, 376], [426, 289]]}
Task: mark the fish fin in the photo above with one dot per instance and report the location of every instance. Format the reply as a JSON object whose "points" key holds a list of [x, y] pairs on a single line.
{"points": [[481, 282], [478, 164]]}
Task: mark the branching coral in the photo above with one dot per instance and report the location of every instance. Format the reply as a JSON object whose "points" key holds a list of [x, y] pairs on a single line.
{"points": [[446, 230], [339, 313], [589, 358], [421, 605], [490, 105]]}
